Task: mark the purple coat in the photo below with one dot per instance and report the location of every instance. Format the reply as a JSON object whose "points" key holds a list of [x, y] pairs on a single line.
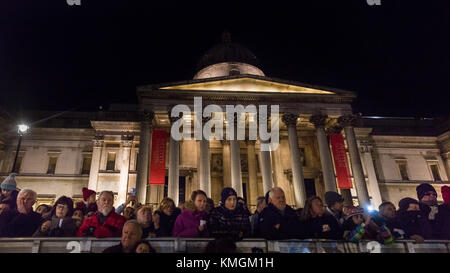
{"points": [[187, 224]]}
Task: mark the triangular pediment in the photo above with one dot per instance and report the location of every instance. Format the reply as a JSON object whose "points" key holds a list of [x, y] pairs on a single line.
{"points": [[245, 83]]}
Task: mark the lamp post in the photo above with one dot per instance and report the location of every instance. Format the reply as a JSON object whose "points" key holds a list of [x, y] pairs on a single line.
{"points": [[21, 130]]}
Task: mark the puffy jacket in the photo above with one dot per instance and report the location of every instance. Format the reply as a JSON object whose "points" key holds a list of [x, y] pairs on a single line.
{"points": [[112, 227], [187, 224]]}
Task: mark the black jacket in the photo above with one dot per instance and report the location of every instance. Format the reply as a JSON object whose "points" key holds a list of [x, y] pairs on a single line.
{"points": [[444, 220], [314, 228], [166, 223], [435, 224], [413, 223], [229, 223], [290, 226], [15, 224]]}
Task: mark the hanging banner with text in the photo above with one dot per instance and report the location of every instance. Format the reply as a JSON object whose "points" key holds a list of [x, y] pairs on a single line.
{"points": [[340, 161], [158, 159]]}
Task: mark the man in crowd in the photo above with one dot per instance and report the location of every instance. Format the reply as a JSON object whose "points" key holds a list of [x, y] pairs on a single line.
{"points": [[254, 219], [335, 206], [105, 222], [428, 205], [22, 222], [131, 235], [389, 217], [278, 220]]}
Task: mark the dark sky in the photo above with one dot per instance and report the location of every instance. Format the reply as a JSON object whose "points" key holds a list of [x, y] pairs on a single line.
{"points": [[54, 56]]}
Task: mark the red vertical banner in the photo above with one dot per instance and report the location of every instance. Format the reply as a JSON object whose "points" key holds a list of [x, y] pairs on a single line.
{"points": [[340, 161], [158, 159]]}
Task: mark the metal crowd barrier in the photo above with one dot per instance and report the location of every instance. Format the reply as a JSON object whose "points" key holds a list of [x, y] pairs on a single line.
{"points": [[195, 245]]}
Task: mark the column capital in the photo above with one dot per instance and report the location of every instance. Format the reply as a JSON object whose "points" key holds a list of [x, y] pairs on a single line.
{"points": [[250, 142], [98, 140], [318, 120], [347, 121], [147, 116], [334, 130], [127, 140], [290, 119], [225, 142], [446, 155]]}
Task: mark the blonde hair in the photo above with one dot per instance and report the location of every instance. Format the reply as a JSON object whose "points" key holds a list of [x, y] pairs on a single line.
{"points": [[166, 202], [145, 208]]}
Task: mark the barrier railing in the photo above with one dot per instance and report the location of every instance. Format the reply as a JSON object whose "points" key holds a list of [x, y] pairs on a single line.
{"points": [[195, 245]]}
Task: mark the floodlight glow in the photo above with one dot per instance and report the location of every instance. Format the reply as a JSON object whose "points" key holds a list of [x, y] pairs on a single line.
{"points": [[23, 128]]}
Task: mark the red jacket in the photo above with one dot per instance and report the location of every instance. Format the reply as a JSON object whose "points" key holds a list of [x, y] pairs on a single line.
{"points": [[112, 227]]}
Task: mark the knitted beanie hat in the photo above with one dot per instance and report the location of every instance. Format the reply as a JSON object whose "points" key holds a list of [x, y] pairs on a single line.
{"points": [[446, 194], [87, 192], [424, 188], [226, 192], [9, 184]]}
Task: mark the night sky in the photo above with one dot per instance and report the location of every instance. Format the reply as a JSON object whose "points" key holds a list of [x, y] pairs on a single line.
{"points": [[55, 57]]}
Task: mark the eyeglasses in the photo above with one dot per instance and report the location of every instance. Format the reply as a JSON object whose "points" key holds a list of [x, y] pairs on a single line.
{"points": [[431, 193]]}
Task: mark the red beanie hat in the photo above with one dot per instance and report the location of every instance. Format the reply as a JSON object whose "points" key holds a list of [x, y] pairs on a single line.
{"points": [[446, 194], [87, 192]]}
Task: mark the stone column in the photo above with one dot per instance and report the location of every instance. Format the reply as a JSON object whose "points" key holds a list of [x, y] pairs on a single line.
{"points": [[266, 166], [205, 166], [252, 172], [127, 142], [236, 174], [446, 159], [226, 166], [145, 141], [174, 171], [324, 150], [297, 172], [97, 144], [348, 122], [366, 150]]}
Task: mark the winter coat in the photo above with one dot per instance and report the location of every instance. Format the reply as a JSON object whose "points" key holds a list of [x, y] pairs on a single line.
{"points": [[290, 226], [254, 222], [314, 228], [444, 219], [338, 217], [112, 227], [146, 231], [11, 200], [166, 223], [427, 214], [15, 224], [225, 223], [413, 223], [188, 222], [68, 227]]}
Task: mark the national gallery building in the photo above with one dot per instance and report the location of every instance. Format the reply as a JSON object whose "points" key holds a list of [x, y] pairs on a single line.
{"points": [[129, 146]]}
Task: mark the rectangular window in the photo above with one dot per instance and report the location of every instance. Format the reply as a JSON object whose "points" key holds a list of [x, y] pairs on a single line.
{"points": [[403, 169], [435, 171], [111, 163], [86, 168], [52, 165]]}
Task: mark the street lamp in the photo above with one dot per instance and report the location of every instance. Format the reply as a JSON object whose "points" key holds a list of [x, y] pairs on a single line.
{"points": [[21, 130]]}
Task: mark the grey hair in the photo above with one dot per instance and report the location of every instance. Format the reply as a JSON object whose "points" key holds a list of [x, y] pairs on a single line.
{"points": [[273, 190], [108, 192], [136, 224], [28, 191]]}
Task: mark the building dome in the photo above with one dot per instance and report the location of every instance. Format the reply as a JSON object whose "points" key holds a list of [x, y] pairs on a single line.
{"points": [[227, 59]]}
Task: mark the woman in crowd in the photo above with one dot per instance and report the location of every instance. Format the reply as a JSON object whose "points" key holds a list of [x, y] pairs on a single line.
{"points": [[229, 220], [78, 216], [316, 223], [164, 218], [359, 225], [60, 223], [144, 218], [43, 210], [192, 222]]}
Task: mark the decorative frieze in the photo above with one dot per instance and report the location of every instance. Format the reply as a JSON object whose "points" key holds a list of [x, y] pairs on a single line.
{"points": [[348, 120]]}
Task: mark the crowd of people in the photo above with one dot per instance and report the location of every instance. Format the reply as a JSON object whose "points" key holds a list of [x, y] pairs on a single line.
{"points": [[230, 221]]}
